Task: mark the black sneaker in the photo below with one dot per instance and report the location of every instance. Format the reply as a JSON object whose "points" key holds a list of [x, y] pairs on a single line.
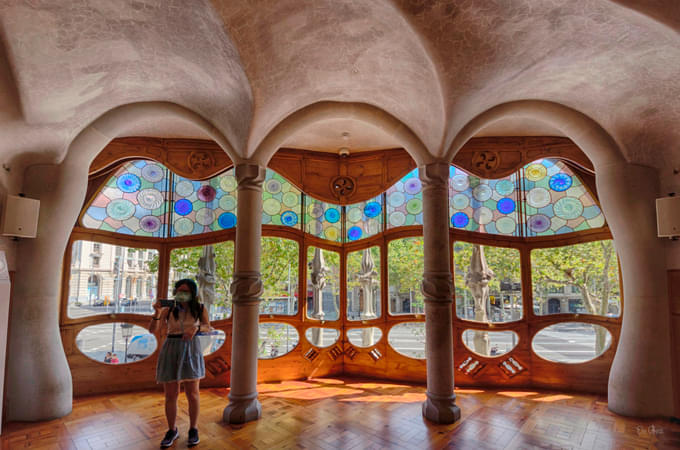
{"points": [[193, 437], [170, 437]]}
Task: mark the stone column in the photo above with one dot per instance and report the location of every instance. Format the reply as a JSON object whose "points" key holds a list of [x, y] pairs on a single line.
{"points": [[246, 290], [318, 281], [437, 287], [39, 383], [640, 376]]}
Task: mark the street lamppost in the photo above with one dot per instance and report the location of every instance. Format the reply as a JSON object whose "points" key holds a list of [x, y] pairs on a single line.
{"points": [[126, 331]]}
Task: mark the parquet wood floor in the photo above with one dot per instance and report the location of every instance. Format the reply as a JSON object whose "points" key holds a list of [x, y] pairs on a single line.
{"points": [[348, 413]]}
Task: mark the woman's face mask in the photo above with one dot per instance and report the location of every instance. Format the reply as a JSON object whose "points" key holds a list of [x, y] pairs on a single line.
{"points": [[183, 297]]}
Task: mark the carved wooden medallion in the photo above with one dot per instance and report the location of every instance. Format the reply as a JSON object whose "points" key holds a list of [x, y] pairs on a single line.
{"points": [[486, 161], [200, 160], [342, 186]]}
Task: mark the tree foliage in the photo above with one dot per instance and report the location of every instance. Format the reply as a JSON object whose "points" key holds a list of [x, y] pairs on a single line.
{"points": [[405, 269]]}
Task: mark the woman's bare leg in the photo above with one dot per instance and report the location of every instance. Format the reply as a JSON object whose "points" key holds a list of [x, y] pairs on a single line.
{"points": [[192, 393], [171, 393]]}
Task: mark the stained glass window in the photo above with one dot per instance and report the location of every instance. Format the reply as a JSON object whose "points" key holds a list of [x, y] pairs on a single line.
{"points": [[133, 201], [405, 201], [281, 201], [488, 206], [204, 206], [556, 201], [323, 219], [364, 219]]}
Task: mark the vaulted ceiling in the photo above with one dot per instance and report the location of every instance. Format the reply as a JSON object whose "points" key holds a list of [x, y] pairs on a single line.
{"points": [[245, 65]]}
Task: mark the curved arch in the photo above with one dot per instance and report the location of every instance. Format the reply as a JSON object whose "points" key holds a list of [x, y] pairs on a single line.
{"points": [[597, 144], [93, 138], [342, 110], [627, 193]]}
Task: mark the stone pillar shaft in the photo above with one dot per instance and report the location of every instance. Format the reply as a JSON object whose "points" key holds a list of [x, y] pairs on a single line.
{"points": [[437, 287], [246, 290], [640, 376]]}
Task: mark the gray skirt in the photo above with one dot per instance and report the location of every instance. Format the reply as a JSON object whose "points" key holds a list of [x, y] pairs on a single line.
{"points": [[180, 360]]}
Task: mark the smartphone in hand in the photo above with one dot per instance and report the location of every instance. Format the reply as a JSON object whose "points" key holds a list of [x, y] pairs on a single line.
{"points": [[166, 302]]}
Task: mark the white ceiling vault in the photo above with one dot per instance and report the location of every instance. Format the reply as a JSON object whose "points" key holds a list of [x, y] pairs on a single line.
{"points": [[246, 65]]}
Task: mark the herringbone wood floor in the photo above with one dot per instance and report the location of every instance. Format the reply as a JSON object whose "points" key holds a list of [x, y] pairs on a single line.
{"points": [[348, 414]]}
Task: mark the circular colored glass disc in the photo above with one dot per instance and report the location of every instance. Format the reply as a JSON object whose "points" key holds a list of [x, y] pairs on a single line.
{"points": [[183, 207], [150, 199], [535, 172], [538, 197], [506, 205], [184, 188], [354, 215], [227, 220], [183, 226], [372, 209], [560, 182], [414, 206], [129, 182], [397, 218], [206, 193], [120, 209], [205, 216], [150, 223], [332, 215], [505, 225], [271, 206], [152, 173], [505, 187], [289, 218], [568, 208], [460, 220], [482, 192], [539, 223], [290, 199], [228, 183], [227, 203], [354, 233]]}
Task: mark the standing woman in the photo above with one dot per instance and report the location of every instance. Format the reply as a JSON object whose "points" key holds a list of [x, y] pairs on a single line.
{"points": [[181, 358]]}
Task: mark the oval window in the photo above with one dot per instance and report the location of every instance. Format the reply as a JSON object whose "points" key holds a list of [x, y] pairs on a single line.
{"points": [[322, 337], [571, 342], [489, 343], [116, 343], [364, 337], [408, 339], [211, 341], [276, 339]]}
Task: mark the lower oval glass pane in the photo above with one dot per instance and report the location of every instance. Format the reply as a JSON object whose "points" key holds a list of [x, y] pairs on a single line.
{"points": [[276, 339], [408, 339], [211, 341], [364, 337], [571, 342], [322, 337], [489, 343], [116, 343]]}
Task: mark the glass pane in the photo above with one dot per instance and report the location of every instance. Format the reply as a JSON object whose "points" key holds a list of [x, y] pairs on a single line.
{"points": [[281, 201], [556, 201], [490, 343], [364, 219], [487, 206], [571, 342], [488, 283], [211, 342], [116, 343], [215, 265], [323, 284], [133, 201], [109, 279], [363, 284], [322, 337], [323, 219], [405, 201], [276, 339], [364, 337], [279, 276], [204, 206], [405, 273], [581, 278], [408, 339]]}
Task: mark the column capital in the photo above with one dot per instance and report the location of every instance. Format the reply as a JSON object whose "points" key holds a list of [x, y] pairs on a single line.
{"points": [[250, 176], [437, 286], [246, 287], [434, 174]]}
